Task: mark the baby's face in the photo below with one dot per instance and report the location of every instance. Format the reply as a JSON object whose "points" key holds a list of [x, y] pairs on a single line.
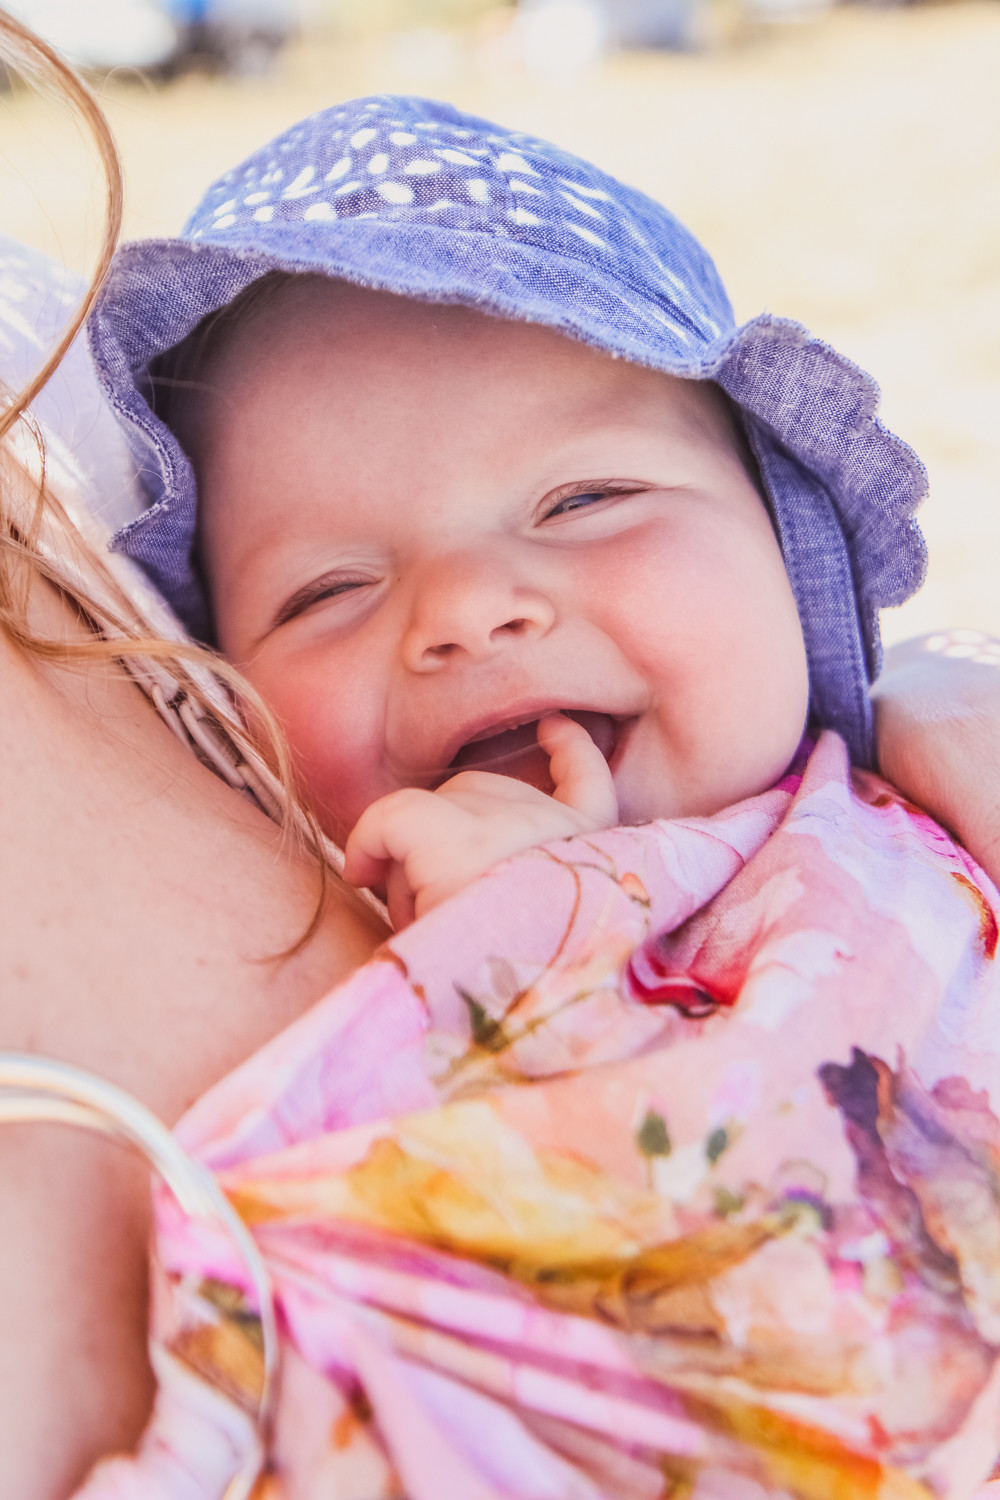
{"points": [[424, 528]]}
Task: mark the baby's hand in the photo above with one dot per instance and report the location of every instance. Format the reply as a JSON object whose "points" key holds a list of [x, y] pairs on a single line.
{"points": [[424, 846]]}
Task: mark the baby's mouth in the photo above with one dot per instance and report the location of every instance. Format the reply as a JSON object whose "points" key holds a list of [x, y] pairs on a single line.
{"points": [[515, 751]]}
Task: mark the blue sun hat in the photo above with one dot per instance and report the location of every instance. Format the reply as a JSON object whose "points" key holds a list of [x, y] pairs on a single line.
{"points": [[414, 197]]}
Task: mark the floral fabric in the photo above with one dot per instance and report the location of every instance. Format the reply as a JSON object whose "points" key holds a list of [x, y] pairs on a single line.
{"points": [[659, 1163]]}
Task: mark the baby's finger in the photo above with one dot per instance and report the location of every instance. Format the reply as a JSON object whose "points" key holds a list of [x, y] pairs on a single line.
{"points": [[385, 833], [399, 898], [580, 774]]}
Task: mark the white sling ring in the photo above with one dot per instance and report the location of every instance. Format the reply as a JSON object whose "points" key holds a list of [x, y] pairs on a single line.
{"points": [[38, 1089]]}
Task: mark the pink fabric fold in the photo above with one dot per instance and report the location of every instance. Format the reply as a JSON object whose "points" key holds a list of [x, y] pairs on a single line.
{"points": [[664, 1162]]}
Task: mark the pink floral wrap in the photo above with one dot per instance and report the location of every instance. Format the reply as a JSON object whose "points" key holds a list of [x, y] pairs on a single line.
{"points": [[663, 1162]]}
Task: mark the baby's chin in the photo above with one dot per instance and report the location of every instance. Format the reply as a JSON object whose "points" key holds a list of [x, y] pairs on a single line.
{"points": [[679, 792]]}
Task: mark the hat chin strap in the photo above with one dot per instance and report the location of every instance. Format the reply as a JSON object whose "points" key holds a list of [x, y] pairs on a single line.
{"points": [[819, 570]]}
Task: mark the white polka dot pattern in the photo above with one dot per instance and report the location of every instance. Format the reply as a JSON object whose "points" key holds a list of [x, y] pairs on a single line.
{"points": [[412, 196], [386, 158]]}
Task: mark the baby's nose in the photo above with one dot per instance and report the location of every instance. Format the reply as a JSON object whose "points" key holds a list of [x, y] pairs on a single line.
{"points": [[470, 608]]}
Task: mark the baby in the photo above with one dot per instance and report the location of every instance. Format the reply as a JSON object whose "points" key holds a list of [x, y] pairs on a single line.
{"points": [[662, 1159], [487, 482]]}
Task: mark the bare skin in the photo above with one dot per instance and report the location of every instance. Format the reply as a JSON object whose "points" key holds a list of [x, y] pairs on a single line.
{"points": [[395, 461], [438, 542], [937, 716], [137, 894], [139, 899]]}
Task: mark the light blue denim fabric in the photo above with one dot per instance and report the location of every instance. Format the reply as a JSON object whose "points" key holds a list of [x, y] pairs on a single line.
{"points": [[417, 198]]}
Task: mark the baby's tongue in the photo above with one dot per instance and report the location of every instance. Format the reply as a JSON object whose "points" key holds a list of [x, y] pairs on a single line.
{"points": [[511, 752], [517, 753]]}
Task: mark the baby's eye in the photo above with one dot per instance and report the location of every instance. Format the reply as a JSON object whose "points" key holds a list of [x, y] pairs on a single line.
{"points": [[334, 590], [584, 495], [577, 502], [317, 593]]}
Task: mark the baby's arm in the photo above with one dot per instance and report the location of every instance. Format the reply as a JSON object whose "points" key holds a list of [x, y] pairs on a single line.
{"points": [[937, 717], [424, 846]]}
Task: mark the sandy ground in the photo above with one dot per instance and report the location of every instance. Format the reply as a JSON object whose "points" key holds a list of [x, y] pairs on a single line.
{"points": [[844, 172]]}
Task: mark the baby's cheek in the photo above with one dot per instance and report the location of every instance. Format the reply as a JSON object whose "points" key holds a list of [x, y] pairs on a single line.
{"points": [[332, 748], [336, 773]]}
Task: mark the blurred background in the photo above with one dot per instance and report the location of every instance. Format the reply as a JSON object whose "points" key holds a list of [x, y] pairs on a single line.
{"points": [[841, 164]]}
